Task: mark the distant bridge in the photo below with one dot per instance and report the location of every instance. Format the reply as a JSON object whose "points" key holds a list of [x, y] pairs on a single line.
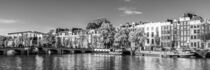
{"points": [[202, 53], [45, 50], [3, 51], [66, 50]]}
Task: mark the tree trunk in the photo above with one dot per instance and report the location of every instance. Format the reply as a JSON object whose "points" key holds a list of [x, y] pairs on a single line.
{"points": [[132, 50]]}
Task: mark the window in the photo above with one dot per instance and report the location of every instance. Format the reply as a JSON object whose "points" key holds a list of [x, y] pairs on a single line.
{"points": [[152, 34], [191, 26], [191, 44], [198, 31], [194, 26], [168, 37], [191, 37], [152, 28], [168, 32], [194, 44], [147, 41], [152, 41], [194, 37], [175, 32], [194, 31], [148, 34]]}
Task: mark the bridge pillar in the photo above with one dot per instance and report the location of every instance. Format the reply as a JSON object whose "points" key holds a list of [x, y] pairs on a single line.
{"points": [[59, 51], [202, 53], [63, 51], [72, 51], [27, 52], [83, 51], [22, 52], [4, 52]]}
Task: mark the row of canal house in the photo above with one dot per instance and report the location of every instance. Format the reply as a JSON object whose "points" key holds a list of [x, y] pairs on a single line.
{"points": [[184, 32], [78, 38], [69, 38], [25, 39]]}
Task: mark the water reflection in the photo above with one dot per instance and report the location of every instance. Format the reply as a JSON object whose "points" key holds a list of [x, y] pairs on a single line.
{"points": [[100, 62], [39, 63]]}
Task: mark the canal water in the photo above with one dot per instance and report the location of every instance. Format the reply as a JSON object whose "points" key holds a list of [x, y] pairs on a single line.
{"points": [[100, 62]]}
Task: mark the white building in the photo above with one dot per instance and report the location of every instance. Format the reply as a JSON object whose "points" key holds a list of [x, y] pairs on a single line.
{"points": [[94, 38], [34, 37], [72, 39], [152, 30]]}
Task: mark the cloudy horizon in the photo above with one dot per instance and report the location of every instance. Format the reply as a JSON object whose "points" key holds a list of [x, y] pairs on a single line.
{"points": [[43, 15]]}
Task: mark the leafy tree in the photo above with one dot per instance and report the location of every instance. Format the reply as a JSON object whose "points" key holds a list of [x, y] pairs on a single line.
{"points": [[205, 34], [137, 39], [107, 33], [49, 39], [97, 23], [121, 38], [92, 26], [205, 38], [106, 29], [2, 40], [157, 38]]}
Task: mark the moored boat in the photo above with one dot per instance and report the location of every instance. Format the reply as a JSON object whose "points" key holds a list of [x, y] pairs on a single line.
{"points": [[166, 53], [182, 54], [118, 51]]}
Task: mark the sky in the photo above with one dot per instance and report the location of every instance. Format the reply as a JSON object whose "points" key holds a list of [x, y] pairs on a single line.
{"points": [[43, 15]]}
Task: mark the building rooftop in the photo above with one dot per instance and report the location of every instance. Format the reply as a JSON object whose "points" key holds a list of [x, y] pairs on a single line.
{"points": [[26, 32]]}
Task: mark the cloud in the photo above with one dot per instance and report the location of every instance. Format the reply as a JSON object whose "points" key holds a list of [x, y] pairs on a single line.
{"points": [[127, 0], [7, 21], [130, 11]]}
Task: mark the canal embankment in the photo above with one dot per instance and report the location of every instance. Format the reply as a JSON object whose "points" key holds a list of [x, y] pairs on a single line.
{"points": [[53, 50]]}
